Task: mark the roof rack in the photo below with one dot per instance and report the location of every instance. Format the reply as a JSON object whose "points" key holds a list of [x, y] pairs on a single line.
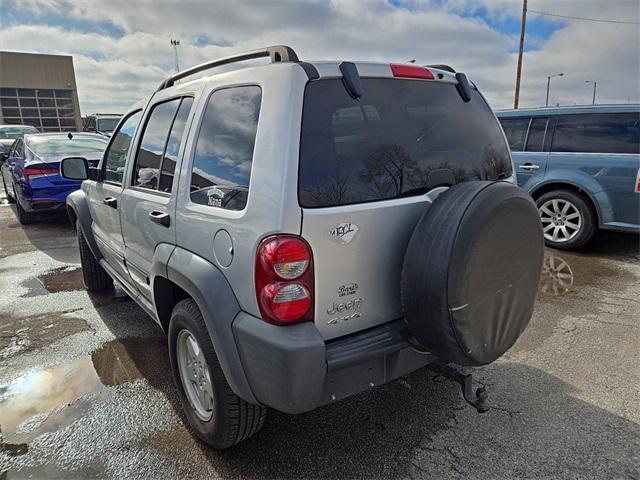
{"points": [[278, 54], [446, 68]]}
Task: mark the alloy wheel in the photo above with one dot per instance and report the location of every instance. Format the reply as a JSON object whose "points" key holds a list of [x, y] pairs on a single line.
{"points": [[561, 220], [195, 375]]}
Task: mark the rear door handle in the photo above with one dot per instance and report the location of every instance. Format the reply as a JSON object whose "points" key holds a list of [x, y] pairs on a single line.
{"points": [[110, 202], [161, 218], [529, 166]]}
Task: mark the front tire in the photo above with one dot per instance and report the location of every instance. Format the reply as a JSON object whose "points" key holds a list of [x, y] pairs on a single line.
{"points": [[94, 276], [568, 220], [216, 414]]}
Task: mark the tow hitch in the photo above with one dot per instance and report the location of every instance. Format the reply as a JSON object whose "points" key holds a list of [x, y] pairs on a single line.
{"points": [[477, 400]]}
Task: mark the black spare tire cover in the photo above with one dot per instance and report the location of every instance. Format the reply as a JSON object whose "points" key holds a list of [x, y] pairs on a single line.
{"points": [[471, 272]]}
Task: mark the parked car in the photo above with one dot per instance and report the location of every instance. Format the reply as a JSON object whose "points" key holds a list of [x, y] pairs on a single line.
{"points": [[581, 165], [103, 123], [8, 134], [306, 231], [31, 172]]}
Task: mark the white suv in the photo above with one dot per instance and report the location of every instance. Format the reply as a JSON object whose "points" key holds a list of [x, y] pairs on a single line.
{"points": [[306, 231]]}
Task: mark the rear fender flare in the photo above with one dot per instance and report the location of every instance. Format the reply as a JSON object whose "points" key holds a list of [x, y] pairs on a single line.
{"points": [[209, 288]]}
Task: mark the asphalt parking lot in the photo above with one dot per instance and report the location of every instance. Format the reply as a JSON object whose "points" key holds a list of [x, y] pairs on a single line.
{"points": [[86, 390]]}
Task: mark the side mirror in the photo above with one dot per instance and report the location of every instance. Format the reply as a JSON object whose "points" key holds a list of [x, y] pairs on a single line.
{"points": [[74, 168], [4, 156]]}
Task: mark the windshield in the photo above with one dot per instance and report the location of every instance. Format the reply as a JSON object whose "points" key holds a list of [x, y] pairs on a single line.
{"points": [[385, 144], [107, 124], [15, 132], [64, 146]]}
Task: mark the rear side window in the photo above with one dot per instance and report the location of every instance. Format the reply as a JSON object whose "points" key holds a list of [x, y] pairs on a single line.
{"points": [[597, 133], [404, 130], [537, 132], [116, 154], [515, 130], [146, 171], [224, 149]]}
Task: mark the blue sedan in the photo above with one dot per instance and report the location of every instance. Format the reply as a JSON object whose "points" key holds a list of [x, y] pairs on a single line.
{"points": [[31, 170]]}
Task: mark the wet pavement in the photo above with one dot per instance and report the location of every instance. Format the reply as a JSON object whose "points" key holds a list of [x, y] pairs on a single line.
{"points": [[86, 388]]}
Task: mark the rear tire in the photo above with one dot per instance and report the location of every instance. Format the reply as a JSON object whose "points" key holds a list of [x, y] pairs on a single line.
{"points": [[24, 217], [10, 197], [226, 419], [569, 215], [94, 276]]}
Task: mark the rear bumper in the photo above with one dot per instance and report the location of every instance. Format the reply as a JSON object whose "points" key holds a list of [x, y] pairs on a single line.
{"points": [[293, 370]]}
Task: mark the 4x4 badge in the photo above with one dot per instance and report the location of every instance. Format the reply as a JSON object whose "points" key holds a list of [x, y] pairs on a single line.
{"points": [[344, 232]]}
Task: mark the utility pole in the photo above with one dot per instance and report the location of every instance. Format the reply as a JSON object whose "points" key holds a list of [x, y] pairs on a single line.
{"points": [[516, 100], [595, 84], [175, 44], [549, 77]]}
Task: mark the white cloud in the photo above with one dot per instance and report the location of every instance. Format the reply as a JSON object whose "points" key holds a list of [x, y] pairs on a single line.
{"points": [[115, 72]]}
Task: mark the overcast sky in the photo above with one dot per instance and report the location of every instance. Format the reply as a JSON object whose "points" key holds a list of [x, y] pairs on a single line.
{"points": [[122, 49]]}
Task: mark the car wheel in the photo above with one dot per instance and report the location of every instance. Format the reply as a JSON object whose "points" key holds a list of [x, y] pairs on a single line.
{"points": [[94, 276], [24, 217], [216, 414], [10, 197], [568, 221]]}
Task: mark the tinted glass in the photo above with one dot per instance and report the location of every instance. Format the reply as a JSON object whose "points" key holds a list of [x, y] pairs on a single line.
{"points": [[598, 133], [516, 131], [60, 145], [154, 138], [537, 132], [173, 145], [116, 155], [405, 129], [224, 149], [107, 124]]}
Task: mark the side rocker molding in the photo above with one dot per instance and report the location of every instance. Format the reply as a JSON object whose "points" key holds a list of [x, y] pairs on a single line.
{"points": [[209, 288], [78, 202]]}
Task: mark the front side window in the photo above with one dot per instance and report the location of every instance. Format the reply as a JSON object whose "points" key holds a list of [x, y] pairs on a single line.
{"points": [[386, 144], [598, 133], [170, 158], [224, 149], [116, 154], [515, 129]]}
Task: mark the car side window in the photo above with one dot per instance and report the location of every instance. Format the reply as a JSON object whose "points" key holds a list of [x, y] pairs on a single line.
{"points": [[224, 148], [537, 132], [19, 149], [146, 171], [170, 157], [597, 133], [116, 154], [516, 131]]}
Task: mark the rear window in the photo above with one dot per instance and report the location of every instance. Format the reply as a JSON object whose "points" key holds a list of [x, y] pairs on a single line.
{"points": [[61, 145], [385, 144]]}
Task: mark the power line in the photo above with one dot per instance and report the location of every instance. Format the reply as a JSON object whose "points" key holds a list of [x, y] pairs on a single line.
{"points": [[584, 18]]}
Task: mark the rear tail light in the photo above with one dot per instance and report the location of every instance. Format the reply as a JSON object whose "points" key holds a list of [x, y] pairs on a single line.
{"points": [[31, 173], [411, 71], [284, 280]]}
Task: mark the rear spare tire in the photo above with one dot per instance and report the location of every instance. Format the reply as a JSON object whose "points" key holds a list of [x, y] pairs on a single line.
{"points": [[471, 272]]}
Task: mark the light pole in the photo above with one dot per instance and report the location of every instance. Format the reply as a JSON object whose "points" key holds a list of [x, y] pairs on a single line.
{"points": [[595, 84], [549, 77], [175, 44], [523, 24]]}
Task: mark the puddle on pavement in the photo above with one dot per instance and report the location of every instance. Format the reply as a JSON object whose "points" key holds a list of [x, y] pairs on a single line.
{"points": [[53, 398], [566, 273], [63, 279], [24, 334]]}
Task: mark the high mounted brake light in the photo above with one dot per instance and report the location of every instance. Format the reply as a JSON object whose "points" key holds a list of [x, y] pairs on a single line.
{"points": [[411, 71], [284, 280]]}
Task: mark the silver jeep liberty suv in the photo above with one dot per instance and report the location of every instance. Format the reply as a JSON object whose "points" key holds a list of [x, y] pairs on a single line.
{"points": [[306, 231]]}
